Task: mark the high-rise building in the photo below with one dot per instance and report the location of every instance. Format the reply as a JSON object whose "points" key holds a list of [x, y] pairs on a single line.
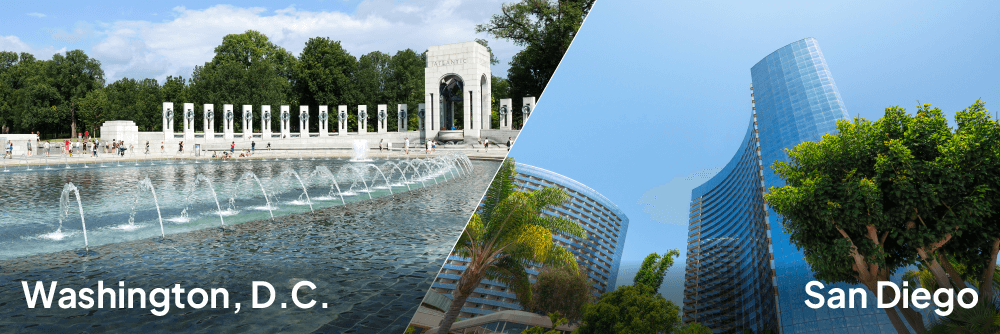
{"points": [[598, 256], [736, 243]]}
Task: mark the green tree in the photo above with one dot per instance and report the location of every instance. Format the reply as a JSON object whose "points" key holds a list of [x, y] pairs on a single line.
{"points": [[545, 29], [630, 309], [371, 79], [246, 69], [41, 95], [74, 75], [501, 90], [94, 110], [556, 319], [876, 197], [324, 75], [693, 328], [560, 290], [406, 85], [136, 100], [508, 234], [654, 267]]}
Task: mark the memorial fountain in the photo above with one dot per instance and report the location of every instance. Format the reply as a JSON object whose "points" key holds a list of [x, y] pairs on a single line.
{"points": [[371, 234]]}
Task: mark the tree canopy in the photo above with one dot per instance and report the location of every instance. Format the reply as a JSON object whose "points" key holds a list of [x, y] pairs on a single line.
{"points": [[562, 291], [878, 196], [630, 309], [545, 28], [653, 268]]}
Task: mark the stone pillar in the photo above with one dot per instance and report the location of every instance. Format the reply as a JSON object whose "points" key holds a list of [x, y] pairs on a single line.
{"points": [[402, 118], [228, 116], [168, 121], [485, 101], [342, 120], [324, 121], [209, 121], [383, 118], [467, 114], [527, 107], [362, 119], [475, 102], [421, 114], [506, 114], [265, 122], [286, 119], [189, 121], [247, 121], [303, 121]]}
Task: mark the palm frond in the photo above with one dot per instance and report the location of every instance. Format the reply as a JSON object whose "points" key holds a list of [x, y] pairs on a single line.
{"points": [[561, 257], [561, 225], [503, 184]]}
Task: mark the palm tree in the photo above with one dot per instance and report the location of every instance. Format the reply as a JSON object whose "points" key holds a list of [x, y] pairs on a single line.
{"points": [[508, 234]]}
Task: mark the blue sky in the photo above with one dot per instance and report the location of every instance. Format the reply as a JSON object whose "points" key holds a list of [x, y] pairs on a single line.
{"points": [[655, 95], [152, 39]]}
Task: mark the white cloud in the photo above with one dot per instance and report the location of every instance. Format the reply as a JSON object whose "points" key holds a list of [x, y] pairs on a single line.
{"points": [[175, 46], [670, 203], [38, 15], [13, 43]]}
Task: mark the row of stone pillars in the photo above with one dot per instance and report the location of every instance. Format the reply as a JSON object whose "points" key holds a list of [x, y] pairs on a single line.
{"points": [[285, 117], [506, 119]]}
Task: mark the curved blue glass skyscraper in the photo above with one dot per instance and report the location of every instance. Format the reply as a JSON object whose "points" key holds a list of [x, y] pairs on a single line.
{"points": [[794, 100]]}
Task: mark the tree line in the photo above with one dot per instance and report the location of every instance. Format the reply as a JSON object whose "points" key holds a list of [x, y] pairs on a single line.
{"points": [[68, 94], [55, 96]]}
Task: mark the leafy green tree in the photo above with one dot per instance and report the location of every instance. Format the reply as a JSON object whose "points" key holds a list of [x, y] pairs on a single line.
{"points": [[560, 290], [693, 328], [324, 75], [175, 89], [74, 75], [878, 196], [654, 267], [508, 234], [246, 69], [35, 105], [94, 110], [545, 29], [630, 309], [501, 90], [136, 100], [556, 319], [406, 85], [370, 80], [42, 95]]}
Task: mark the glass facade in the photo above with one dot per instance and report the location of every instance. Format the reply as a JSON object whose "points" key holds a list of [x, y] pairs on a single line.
{"points": [[727, 279], [794, 100], [599, 256]]}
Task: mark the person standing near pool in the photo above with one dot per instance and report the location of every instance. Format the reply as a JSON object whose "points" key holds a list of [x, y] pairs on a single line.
{"points": [[232, 147], [406, 144], [253, 147]]}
